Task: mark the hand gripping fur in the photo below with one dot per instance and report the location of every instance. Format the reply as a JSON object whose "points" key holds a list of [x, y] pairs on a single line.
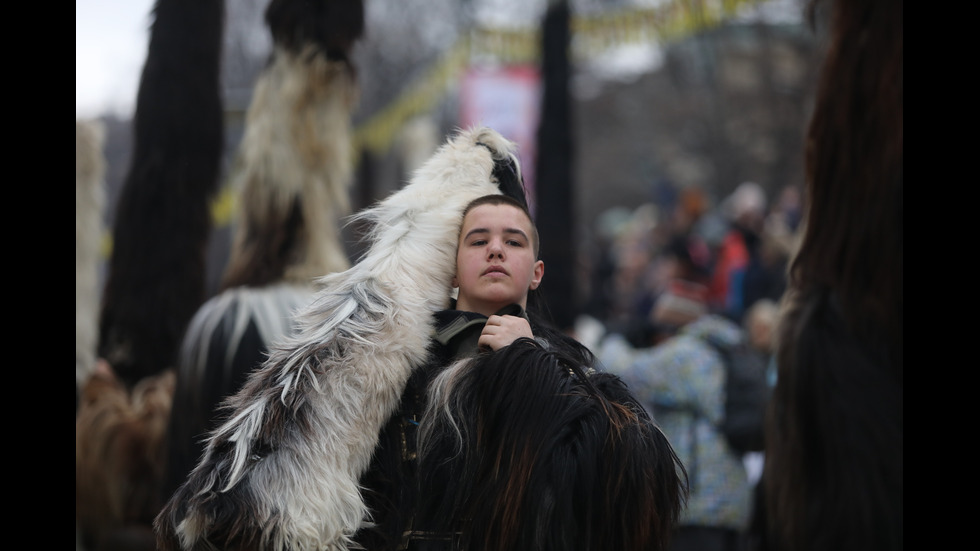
{"points": [[282, 472]]}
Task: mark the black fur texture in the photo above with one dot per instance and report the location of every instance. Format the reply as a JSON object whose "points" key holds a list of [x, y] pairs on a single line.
{"points": [[548, 457], [156, 276]]}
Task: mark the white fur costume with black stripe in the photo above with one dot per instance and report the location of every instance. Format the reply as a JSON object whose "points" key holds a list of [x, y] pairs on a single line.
{"points": [[282, 472]]}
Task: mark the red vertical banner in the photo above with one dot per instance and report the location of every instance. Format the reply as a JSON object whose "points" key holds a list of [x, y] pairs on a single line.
{"points": [[507, 99]]}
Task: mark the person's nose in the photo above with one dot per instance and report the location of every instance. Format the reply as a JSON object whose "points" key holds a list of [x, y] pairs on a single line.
{"points": [[495, 249]]}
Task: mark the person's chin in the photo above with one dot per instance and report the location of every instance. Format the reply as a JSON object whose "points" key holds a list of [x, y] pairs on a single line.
{"points": [[500, 295]]}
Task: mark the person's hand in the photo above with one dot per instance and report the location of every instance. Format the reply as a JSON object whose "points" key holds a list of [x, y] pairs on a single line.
{"points": [[503, 330]]}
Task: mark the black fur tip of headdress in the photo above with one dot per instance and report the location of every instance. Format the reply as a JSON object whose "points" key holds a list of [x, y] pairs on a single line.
{"points": [[507, 173]]}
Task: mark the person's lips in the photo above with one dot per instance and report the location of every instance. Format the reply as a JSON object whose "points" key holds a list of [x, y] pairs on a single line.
{"points": [[495, 270]]}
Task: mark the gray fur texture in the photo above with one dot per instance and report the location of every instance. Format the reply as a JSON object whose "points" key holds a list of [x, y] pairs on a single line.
{"points": [[90, 198]]}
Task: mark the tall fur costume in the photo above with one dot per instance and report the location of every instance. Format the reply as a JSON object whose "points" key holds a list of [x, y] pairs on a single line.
{"points": [[156, 276], [292, 176], [527, 448], [283, 471], [833, 478], [295, 161]]}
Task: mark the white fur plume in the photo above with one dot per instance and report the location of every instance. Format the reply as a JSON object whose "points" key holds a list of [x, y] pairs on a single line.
{"points": [[297, 148]]}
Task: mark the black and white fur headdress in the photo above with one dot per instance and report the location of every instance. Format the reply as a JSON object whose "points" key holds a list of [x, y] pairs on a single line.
{"points": [[282, 472]]}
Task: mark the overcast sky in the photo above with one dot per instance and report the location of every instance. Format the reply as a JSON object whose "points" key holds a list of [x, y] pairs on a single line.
{"points": [[110, 48]]}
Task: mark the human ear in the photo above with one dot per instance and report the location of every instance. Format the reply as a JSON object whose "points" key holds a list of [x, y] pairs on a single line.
{"points": [[538, 274]]}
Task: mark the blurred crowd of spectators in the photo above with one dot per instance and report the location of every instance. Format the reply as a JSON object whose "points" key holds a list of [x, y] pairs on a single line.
{"points": [[737, 248]]}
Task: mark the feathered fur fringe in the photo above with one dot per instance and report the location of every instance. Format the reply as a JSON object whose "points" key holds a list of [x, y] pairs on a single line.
{"points": [[227, 337], [543, 455], [283, 471], [90, 169]]}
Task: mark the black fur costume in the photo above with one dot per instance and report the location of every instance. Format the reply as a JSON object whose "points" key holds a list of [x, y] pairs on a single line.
{"points": [[551, 453]]}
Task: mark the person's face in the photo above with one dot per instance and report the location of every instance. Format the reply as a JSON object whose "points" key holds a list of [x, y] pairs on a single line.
{"points": [[495, 260]]}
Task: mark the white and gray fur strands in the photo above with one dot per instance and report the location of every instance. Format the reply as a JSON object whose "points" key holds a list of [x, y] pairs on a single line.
{"points": [[283, 471], [90, 199]]}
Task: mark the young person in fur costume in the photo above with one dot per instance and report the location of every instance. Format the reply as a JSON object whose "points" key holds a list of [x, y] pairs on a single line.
{"points": [[282, 472], [508, 438], [563, 458]]}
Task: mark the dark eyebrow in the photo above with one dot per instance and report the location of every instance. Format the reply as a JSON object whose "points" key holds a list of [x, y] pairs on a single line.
{"points": [[517, 231], [475, 230]]}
